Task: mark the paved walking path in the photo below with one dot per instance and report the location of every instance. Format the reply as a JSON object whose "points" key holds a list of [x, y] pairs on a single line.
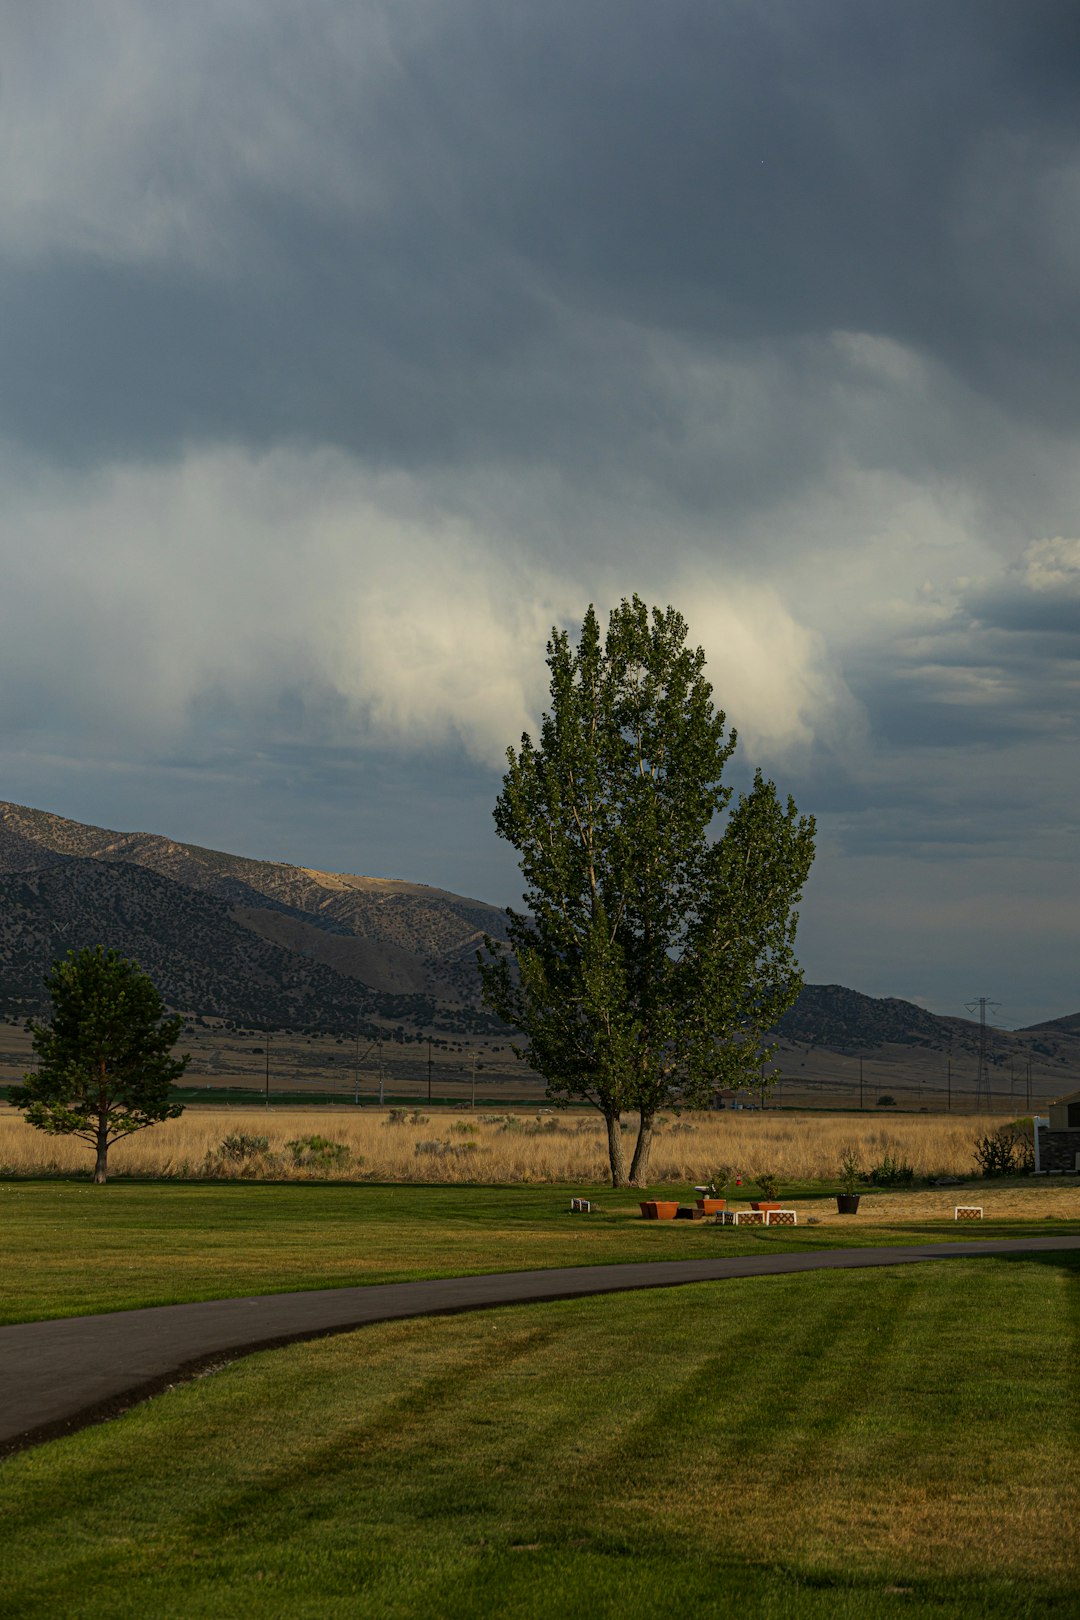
{"points": [[58, 1376]]}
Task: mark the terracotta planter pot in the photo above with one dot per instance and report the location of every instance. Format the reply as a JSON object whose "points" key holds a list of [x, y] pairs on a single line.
{"points": [[847, 1203], [711, 1206], [659, 1209], [764, 1206]]}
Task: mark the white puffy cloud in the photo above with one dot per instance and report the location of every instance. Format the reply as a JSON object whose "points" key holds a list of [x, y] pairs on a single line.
{"points": [[1051, 565], [142, 599]]}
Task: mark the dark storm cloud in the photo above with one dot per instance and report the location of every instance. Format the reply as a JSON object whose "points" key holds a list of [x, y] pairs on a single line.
{"points": [[343, 351], [538, 191]]}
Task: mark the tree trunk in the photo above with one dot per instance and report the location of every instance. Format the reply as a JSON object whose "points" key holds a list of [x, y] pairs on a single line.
{"points": [[616, 1157], [639, 1168], [102, 1165]]}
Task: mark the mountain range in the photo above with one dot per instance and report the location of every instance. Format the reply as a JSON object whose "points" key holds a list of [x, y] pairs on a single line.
{"points": [[264, 944], [260, 943]]}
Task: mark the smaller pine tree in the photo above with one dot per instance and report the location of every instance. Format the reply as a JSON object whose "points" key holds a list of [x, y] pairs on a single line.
{"points": [[105, 1064]]}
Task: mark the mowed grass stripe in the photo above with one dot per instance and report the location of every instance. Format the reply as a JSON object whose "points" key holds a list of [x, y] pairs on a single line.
{"points": [[842, 1444]]}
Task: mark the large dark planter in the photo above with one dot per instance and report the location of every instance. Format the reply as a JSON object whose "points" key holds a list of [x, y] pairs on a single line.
{"points": [[847, 1203]]}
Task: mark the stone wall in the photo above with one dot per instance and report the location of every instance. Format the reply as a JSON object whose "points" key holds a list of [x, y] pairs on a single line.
{"points": [[1058, 1149]]}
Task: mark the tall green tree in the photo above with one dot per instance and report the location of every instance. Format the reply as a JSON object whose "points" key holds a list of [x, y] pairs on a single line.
{"points": [[658, 948], [105, 1064]]}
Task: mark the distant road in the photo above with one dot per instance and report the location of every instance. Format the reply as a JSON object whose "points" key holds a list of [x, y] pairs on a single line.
{"points": [[61, 1375]]}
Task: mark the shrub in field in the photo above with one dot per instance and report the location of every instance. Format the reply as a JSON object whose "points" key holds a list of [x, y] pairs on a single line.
{"points": [[398, 1116], [463, 1130], [238, 1147], [319, 1153], [240, 1154], [1008, 1151], [892, 1171], [446, 1150], [886, 1101], [768, 1186]]}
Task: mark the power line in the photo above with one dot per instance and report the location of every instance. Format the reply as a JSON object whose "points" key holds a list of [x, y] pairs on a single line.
{"points": [[982, 1081]]}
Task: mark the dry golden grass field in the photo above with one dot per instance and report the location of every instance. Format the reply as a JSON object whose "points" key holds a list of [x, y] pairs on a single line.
{"points": [[566, 1148]]}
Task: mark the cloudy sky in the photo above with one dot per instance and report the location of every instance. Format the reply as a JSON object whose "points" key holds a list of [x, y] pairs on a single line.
{"points": [[346, 348]]}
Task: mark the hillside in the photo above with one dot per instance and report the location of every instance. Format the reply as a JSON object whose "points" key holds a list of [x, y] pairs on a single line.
{"points": [[267, 944], [842, 1020], [259, 942]]}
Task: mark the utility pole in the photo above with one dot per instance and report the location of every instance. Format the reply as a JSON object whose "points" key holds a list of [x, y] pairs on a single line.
{"points": [[268, 1070], [429, 1068], [361, 1059], [356, 1066], [382, 1076], [472, 1079], [861, 1103], [1029, 1085], [948, 1085], [982, 1080]]}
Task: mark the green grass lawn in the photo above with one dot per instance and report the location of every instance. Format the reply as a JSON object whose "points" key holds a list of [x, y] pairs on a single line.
{"points": [[69, 1248], [840, 1446]]}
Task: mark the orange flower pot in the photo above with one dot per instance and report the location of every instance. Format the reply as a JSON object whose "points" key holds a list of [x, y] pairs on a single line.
{"points": [[659, 1209], [712, 1206], [765, 1205]]}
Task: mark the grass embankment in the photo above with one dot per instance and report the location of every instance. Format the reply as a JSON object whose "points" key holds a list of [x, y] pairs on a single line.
{"points": [[69, 1248], [465, 1147], [833, 1447]]}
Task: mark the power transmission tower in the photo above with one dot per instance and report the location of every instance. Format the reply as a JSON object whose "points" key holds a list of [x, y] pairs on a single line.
{"points": [[982, 1083]]}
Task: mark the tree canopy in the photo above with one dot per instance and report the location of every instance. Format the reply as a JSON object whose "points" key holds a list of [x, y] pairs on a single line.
{"points": [[658, 947], [105, 1068]]}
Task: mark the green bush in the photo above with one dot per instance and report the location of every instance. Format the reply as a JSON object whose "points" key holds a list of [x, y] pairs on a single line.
{"points": [[720, 1181], [319, 1153], [444, 1150], [239, 1147], [891, 1173], [768, 1186]]}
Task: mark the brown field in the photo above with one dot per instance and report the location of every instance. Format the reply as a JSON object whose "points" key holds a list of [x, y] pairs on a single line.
{"points": [[566, 1148]]}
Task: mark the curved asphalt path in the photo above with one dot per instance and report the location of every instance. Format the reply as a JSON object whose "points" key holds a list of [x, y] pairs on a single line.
{"points": [[60, 1375]]}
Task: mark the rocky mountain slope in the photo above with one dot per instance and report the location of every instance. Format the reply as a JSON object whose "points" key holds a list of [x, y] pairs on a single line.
{"points": [[259, 941]]}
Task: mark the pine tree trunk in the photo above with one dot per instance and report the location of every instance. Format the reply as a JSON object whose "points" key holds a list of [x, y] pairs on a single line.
{"points": [[639, 1168], [616, 1157], [102, 1165]]}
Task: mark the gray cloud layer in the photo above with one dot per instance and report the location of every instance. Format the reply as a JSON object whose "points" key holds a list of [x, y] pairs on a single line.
{"points": [[342, 353]]}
